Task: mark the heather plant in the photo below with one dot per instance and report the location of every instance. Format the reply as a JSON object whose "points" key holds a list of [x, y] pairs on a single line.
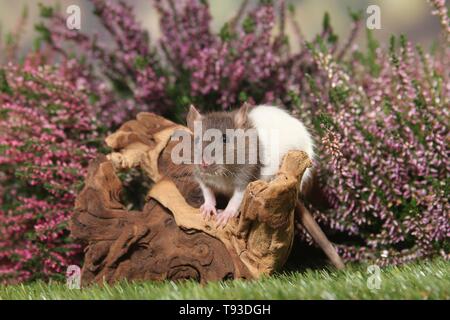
{"points": [[384, 156], [379, 116], [384, 160], [135, 80], [48, 135], [189, 63]]}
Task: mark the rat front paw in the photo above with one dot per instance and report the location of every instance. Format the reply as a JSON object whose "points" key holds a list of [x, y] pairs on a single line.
{"points": [[208, 209], [224, 216]]}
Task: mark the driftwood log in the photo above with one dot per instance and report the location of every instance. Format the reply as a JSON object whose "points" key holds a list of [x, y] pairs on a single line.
{"points": [[168, 238]]}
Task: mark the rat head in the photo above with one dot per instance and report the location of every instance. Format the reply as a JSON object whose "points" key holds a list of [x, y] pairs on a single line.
{"points": [[217, 140]]}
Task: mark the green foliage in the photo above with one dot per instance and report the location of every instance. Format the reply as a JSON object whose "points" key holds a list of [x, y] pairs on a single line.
{"points": [[46, 11], [291, 8], [4, 85], [249, 24], [323, 121], [226, 33], [392, 51], [243, 96], [355, 15], [332, 38], [338, 95], [370, 58], [266, 2], [141, 62], [42, 30], [326, 25]]}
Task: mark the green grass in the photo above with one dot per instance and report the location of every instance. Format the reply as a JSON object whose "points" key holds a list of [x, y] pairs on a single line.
{"points": [[425, 280]]}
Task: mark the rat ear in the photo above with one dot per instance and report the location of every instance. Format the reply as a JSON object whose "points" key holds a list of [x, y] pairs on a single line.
{"points": [[241, 116], [193, 115]]}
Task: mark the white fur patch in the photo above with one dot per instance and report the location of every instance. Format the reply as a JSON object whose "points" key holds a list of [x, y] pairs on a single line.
{"points": [[285, 133]]}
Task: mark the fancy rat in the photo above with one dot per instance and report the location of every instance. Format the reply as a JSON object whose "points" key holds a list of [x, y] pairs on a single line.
{"points": [[276, 133]]}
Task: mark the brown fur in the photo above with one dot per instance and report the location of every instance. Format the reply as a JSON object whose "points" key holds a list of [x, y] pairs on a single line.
{"points": [[224, 178]]}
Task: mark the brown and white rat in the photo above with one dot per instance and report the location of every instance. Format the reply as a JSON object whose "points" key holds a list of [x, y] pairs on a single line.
{"points": [[276, 132], [229, 179]]}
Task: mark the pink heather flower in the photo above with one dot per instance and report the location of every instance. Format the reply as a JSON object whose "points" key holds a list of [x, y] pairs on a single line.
{"points": [[441, 10], [45, 123]]}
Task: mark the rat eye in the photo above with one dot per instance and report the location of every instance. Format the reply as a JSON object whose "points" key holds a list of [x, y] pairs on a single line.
{"points": [[224, 138]]}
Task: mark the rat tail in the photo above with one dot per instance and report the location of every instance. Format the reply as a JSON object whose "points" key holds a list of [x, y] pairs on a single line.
{"points": [[317, 234]]}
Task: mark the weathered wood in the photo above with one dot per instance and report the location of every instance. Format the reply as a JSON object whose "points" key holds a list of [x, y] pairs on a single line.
{"points": [[140, 245], [168, 238]]}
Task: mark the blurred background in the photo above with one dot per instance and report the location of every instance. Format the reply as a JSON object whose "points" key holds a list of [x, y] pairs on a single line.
{"points": [[410, 17]]}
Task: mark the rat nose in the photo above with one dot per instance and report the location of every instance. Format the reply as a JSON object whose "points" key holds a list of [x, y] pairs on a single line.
{"points": [[204, 164]]}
